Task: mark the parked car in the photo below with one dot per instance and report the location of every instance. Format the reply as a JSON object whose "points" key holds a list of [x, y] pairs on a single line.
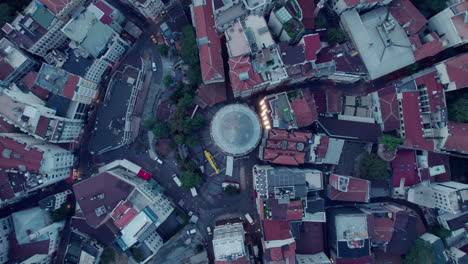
{"points": [[153, 66], [193, 191], [158, 160], [249, 218], [208, 229], [177, 180], [154, 39], [191, 231]]}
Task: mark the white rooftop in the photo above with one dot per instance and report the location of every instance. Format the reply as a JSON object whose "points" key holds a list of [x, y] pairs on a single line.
{"points": [[228, 242], [382, 43], [258, 31], [351, 227], [236, 41], [12, 55], [133, 230]]}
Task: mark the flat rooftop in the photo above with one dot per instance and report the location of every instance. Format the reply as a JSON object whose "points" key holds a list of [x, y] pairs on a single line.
{"points": [[384, 47], [236, 41], [228, 242]]}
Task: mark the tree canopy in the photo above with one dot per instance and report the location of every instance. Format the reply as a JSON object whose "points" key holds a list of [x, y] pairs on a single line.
{"points": [[108, 256], [335, 36], [391, 142], [373, 168], [168, 80], [231, 190], [430, 6], [189, 53], [439, 231], [190, 179], [160, 130], [60, 214], [420, 252], [458, 110], [163, 49]]}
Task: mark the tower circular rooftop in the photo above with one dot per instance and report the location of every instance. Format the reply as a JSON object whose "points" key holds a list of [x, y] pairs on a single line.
{"points": [[236, 129]]}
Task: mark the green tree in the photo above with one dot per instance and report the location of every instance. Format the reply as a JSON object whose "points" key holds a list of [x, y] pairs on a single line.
{"points": [[186, 101], [391, 142], [137, 255], [6, 13], [335, 36], [189, 47], [373, 168], [59, 214], [231, 190], [168, 80], [163, 49], [198, 121], [161, 130], [108, 256], [458, 110], [194, 75], [420, 252], [190, 165], [190, 179], [412, 68], [150, 123], [439, 231], [192, 140], [431, 6], [199, 248], [179, 139]]}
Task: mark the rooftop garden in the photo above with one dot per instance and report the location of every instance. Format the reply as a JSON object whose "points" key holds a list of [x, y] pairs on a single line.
{"points": [[293, 27]]}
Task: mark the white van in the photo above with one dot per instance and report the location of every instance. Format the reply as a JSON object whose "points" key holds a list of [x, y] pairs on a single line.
{"points": [[177, 180], [153, 66], [191, 231], [193, 191], [249, 218]]}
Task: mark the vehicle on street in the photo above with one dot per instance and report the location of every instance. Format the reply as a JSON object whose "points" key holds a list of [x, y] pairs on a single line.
{"points": [[208, 229], [191, 231], [249, 218], [158, 160], [154, 39], [176, 179], [190, 213], [153, 66], [193, 191]]}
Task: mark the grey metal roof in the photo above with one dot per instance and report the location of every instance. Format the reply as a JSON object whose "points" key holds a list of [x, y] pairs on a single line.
{"points": [[335, 147], [236, 129], [370, 39], [30, 220]]}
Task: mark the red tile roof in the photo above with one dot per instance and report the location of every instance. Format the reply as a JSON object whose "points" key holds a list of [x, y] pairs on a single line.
{"points": [[113, 189], [70, 85], [123, 214], [406, 13], [404, 166], [334, 101], [107, 10], [428, 49], [457, 140], [413, 122], [389, 108], [241, 260], [6, 127], [6, 190], [435, 90], [457, 70], [383, 229], [22, 252], [291, 155], [42, 125], [437, 159], [242, 75], [211, 94], [311, 239], [5, 68], [308, 17], [320, 100], [7, 28], [211, 61], [276, 230], [352, 2], [31, 159], [357, 189], [362, 260], [322, 148], [29, 81], [305, 109], [312, 46], [55, 6]]}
